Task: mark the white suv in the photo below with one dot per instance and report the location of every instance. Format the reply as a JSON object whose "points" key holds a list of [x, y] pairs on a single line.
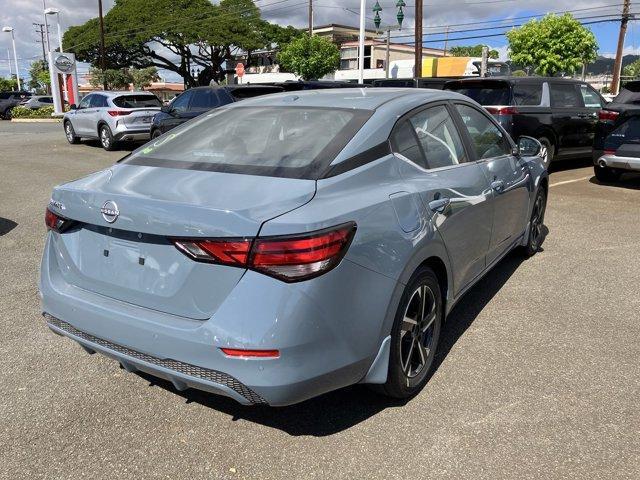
{"points": [[112, 117]]}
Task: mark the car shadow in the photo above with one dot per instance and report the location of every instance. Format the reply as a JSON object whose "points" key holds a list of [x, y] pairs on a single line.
{"points": [[6, 226], [569, 164], [341, 409], [630, 181]]}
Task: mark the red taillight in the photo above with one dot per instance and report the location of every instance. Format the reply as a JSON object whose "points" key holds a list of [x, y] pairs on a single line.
{"points": [[607, 115], [118, 113], [609, 152], [234, 352], [56, 222], [290, 258], [501, 110]]}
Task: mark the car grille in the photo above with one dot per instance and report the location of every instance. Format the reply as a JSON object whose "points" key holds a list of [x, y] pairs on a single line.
{"points": [[174, 365]]}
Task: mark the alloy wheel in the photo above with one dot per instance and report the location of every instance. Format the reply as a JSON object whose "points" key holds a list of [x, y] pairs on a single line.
{"points": [[537, 222], [104, 137], [67, 129], [416, 334]]}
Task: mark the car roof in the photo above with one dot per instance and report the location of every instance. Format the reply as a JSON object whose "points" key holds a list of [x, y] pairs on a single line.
{"points": [[118, 93], [361, 98], [517, 79]]}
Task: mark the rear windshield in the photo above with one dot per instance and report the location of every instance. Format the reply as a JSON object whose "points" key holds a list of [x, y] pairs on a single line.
{"points": [[485, 93], [248, 92], [293, 142], [137, 101], [630, 93]]}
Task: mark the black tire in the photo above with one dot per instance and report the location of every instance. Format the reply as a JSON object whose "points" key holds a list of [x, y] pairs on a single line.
{"points": [[536, 224], [70, 133], [551, 149], [155, 134], [7, 114], [106, 138], [605, 174], [409, 365]]}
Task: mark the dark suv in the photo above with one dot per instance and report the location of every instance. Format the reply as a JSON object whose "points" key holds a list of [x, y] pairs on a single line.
{"points": [[196, 101], [616, 147], [561, 113], [8, 100]]}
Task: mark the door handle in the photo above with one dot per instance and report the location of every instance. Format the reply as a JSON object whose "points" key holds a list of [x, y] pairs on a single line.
{"points": [[439, 205], [497, 186]]}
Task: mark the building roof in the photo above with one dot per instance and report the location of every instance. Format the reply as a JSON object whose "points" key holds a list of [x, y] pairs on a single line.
{"points": [[395, 46]]}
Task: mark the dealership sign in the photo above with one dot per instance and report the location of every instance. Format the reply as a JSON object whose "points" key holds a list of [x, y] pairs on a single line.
{"points": [[64, 62]]}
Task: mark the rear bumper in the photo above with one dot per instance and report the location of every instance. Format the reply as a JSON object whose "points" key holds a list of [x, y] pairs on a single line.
{"points": [[132, 135], [619, 162], [327, 335]]}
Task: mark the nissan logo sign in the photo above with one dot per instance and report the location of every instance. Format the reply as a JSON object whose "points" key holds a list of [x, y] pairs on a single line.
{"points": [[110, 211], [63, 63]]}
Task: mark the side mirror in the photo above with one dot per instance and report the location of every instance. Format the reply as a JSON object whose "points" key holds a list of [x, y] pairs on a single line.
{"points": [[529, 147], [73, 106]]}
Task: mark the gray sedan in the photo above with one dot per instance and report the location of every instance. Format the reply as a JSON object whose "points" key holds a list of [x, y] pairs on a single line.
{"points": [[288, 245]]}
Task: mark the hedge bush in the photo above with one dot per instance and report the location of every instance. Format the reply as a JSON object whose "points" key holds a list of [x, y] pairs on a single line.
{"points": [[24, 112]]}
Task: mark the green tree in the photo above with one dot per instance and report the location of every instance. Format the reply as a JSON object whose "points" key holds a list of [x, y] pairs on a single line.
{"points": [[39, 76], [176, 35], [310, 57], [8, 84], [116, 79], [472, 51], [555, 44], [519, 73], [632, 70], [143, 77]]}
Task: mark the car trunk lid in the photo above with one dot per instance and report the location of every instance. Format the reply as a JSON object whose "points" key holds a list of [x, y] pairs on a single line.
{"points": [[133, 260]]}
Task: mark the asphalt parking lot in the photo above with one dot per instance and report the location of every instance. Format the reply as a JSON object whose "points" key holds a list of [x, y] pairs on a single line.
{"points": [[538, 376]]}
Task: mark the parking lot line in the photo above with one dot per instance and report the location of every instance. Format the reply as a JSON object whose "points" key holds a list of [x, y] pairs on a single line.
{"points": [[570, 181]]}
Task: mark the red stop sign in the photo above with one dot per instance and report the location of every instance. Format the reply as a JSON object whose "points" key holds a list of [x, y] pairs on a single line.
{"points": [[240, 69]]}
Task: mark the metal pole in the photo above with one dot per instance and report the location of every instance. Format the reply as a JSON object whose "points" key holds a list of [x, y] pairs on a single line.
{"points": [[104, 78], [617, 67], [417, 70], [484, 62], [310, 17], [386, 61], [9, 62], [446, 40], [15, 59], [363, 5], [59, 35], [46, 27]]}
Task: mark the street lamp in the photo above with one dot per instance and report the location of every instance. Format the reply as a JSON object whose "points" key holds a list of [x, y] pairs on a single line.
{"points": [[56, 12], [15, 56]]}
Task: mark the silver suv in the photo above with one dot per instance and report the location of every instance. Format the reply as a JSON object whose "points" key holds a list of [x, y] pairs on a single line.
{"points": [[112, 117]]}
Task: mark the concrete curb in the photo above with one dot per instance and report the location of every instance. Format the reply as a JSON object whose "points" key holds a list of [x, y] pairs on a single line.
{"points": [[36, 120]]}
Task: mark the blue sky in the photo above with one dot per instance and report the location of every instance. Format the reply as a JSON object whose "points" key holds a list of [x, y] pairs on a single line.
{"points": [[437, 14]]}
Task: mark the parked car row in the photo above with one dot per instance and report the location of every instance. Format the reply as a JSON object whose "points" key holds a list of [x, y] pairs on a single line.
{"points": [[8, 100]]}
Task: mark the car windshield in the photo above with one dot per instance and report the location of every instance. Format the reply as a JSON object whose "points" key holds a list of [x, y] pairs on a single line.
{"points": [[294, 142], [485, 93], [137, 101]]}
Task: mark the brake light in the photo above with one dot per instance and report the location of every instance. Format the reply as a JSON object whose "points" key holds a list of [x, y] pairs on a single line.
{"points": [[118, 113], [56, 222], [609, 152], [290, 258], [501, 110], [607, 115], [234, 352]]}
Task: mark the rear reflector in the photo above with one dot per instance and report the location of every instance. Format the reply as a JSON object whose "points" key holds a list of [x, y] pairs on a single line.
{"points": [[609, 152], [234, 352], [607, 115], [290, 258], [501, 110], [118, 113]]}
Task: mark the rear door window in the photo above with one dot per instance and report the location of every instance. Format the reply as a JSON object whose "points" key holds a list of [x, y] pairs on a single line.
{"points": [[487, 139], [527, 94], [137, 101], [438, 137], [98, 101], [590, 97], [564, 95]]}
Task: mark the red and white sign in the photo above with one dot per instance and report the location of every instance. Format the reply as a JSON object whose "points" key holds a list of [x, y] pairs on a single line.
{"points": [[240, 69]]}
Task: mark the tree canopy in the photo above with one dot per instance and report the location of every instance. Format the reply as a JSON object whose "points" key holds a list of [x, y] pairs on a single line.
{"points": [[310, 57], [7, 84], [183, 36], [555, 44], [39, 76], [472, 51], [632, 70]]}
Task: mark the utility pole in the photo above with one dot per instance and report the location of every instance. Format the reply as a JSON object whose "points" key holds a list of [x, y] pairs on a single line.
{"points": [[386, 60], [417, 71], [104, 78], [40, 30], [310, 17], [617, 67], [446, 40]]}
